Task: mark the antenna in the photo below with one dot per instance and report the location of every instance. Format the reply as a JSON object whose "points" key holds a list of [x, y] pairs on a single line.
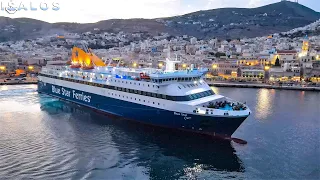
{"points": [[110, 62]]}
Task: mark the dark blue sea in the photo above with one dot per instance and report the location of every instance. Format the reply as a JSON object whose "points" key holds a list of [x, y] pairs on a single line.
{"points": [[45, 138]]}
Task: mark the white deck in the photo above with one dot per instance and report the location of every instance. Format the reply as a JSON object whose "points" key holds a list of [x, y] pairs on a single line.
{"points": [[176, 84]]}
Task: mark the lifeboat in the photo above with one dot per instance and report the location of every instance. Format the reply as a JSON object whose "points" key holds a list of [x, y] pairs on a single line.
{"points": [[87, 67], [75, 66], [144, 76], [69, 62]]}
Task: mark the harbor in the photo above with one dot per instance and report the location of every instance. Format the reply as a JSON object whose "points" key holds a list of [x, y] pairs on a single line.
{"points": [[262, 85], [55, 136], [168, 90]]}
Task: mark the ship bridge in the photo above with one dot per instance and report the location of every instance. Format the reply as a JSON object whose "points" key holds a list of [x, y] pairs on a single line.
{"points": [[185, 76]]}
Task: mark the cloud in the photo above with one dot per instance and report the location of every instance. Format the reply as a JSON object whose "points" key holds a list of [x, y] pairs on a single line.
{"points": [[96, 10]]}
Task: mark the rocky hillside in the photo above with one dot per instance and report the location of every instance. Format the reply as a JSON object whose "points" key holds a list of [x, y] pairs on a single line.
{"points": [[312, 29], [241, 22], [222, 23]]}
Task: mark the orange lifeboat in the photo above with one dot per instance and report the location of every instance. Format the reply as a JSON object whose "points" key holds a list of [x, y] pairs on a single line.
{"points": [[75, 66], [144, 76], [87, 67]]}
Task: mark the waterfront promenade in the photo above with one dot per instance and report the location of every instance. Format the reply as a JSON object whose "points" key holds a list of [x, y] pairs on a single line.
{"points": [[28, 80], [262, 85]]}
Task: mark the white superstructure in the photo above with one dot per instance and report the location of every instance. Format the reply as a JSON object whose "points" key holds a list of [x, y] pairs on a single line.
{"points": [[182, 91]]}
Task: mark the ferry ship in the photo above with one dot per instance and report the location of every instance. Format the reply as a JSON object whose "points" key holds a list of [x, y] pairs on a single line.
{"points": [[167, 97]]}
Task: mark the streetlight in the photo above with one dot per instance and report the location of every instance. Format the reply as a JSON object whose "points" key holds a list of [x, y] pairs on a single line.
{"points": [[134, 64], [160, 65], [184, 65], [2, 68], [214, 66], [266, 74]]}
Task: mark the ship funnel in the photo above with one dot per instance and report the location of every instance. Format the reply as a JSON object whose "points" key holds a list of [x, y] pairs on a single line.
{"points": [[171, 64]]}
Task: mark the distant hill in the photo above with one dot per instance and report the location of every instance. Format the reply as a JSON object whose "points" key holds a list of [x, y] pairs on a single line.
{"points": [[312, 29], [222, 23], [242, 22]]}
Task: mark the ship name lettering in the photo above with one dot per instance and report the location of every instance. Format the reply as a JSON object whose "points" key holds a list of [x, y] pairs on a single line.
{"points": [[176, 113], [55, 90], [66, 92], [81, 96]]}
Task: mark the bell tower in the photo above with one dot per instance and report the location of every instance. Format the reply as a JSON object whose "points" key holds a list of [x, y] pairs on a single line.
{"points": [[305, 47]]}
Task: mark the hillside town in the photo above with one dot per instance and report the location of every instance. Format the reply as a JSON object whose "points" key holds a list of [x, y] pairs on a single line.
{"points": [[268, 59]]}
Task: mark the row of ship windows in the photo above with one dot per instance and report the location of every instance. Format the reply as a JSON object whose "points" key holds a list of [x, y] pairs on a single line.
{"points": [[144, 93], [133, 83], [176, 79], [184, 86], [114, 94], [189, 85]]}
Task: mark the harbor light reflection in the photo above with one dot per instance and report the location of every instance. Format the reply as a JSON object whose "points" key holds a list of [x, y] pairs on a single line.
{"points": [[263, 103]]}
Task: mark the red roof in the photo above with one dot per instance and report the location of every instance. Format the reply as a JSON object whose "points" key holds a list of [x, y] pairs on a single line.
{"points": [[287, 52]]}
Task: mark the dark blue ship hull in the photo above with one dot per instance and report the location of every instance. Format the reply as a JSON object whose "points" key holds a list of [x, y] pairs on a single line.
{"points": [[216, 126]]}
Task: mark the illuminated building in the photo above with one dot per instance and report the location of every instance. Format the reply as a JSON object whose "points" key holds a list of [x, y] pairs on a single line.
{"points": [[305, 47]]}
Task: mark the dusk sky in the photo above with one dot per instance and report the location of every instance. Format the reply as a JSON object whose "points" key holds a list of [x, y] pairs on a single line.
{"points": [[96, 10]]}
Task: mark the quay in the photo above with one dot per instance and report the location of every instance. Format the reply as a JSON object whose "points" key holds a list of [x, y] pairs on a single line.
{"points": [[18, 83], [28, 80], [267, 86]]}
